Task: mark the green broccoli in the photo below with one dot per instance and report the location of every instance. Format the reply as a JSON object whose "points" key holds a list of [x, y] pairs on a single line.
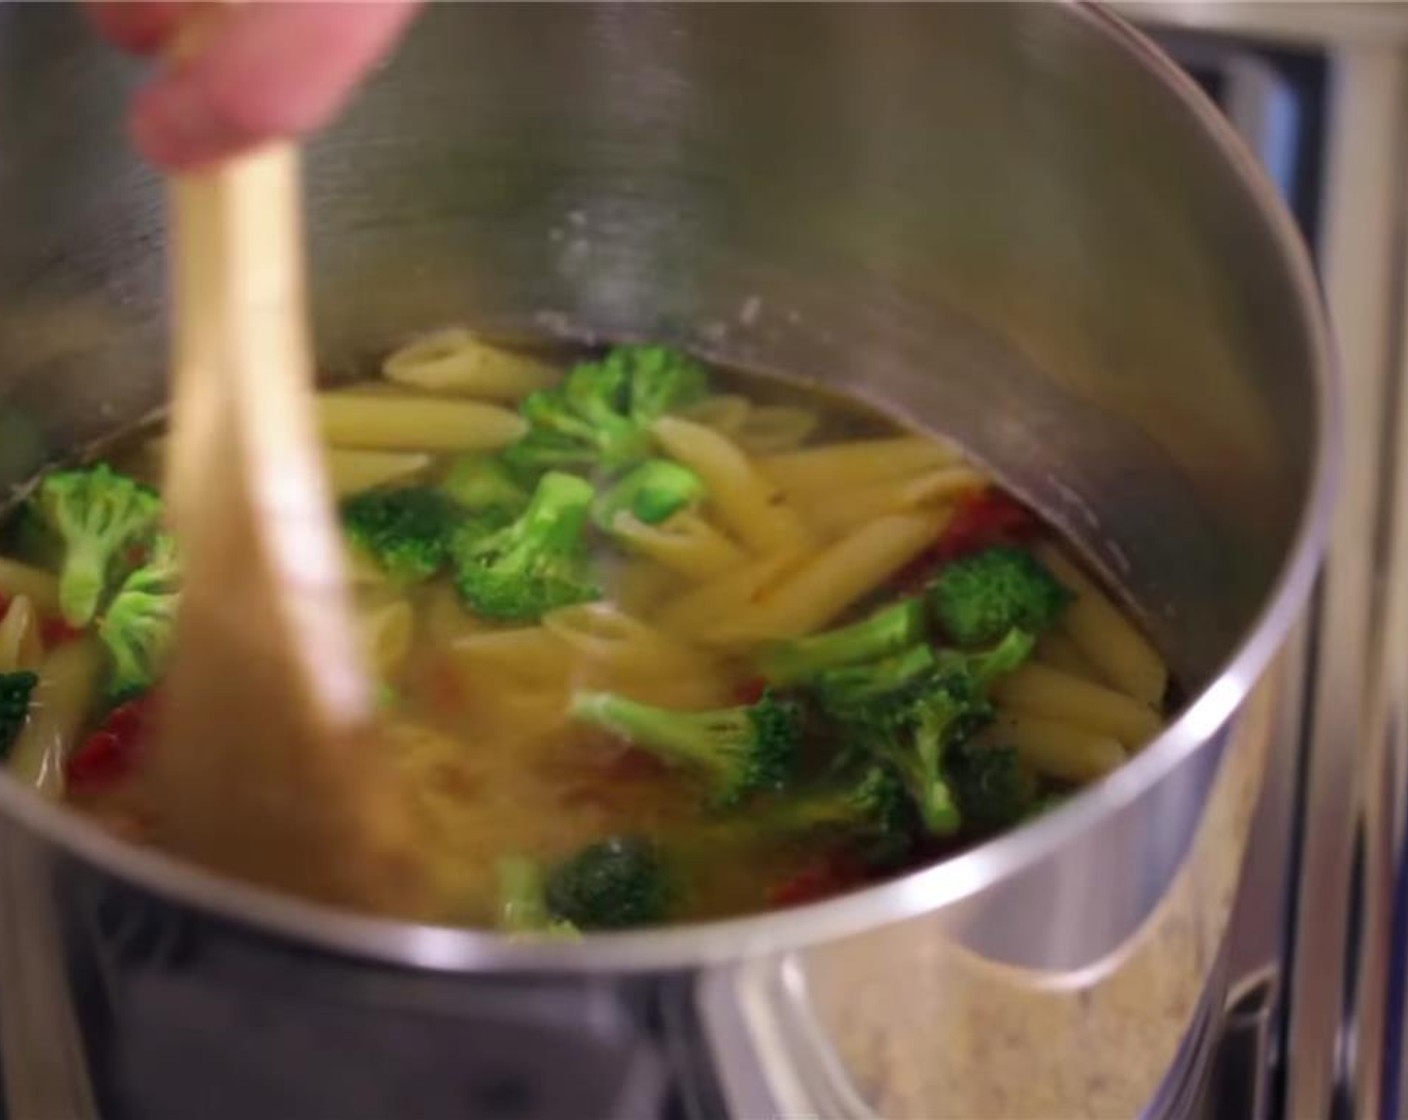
{"points": [[994, 787], [580, 424], [535, 564], [989, 664], [653, 492], [598, 417], [483, 483], [16, 689], [737, 750], [887, 631], [140, 622], [907, 724], [979, 598], [660, 380], [842, 689], [523, 903], [98, 515], [613, 884], [407, 531], [874, 810]]}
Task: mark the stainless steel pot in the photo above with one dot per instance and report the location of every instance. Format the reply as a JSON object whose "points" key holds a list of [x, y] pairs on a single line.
{"points": [[1014, 223]]}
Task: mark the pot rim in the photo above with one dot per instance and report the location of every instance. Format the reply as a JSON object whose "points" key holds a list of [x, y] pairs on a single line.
{"points": [[439, 948]]}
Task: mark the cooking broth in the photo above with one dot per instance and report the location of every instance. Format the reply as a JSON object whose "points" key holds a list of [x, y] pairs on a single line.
{"points": [[756, 518]]}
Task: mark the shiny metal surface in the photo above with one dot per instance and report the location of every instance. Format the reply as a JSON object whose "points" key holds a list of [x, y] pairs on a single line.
{"points": [[1014, 223]]}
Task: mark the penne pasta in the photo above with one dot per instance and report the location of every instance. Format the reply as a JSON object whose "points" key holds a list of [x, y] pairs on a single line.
{"points": [[20, 644], [456, 362], [415, 423], [39, 586], [838, 577], [349, 470], [1057, 650], [724, 412], [640, 586], [1103, 634], [386, 631], [834, 466], [1053, 694], [756, 512], [840, 511], [723, 597], [352, 471], [686, 544], [68, 684], [770, 429], [530, 652], [1057, 750]]}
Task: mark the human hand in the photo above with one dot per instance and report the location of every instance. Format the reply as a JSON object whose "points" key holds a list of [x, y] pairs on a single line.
{"points": [[267, 70]]}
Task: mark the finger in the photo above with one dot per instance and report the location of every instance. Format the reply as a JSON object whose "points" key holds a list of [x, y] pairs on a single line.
{"points": [[270, 70], [139, 26]]}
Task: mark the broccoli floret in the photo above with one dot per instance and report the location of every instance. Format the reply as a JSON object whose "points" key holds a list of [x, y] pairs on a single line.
{"points": [[581, 423], [874, 809], [994, 788], [140, 622], [535, 564], [407, 531], [482, 483], [523, 904], [614, 884], [660, 380], [598, 417], [737, 750], [887, 631], [16, 689], [653, 492], [979, 598], [839, 691], [908, 727], [987, 665], [97, 514]]}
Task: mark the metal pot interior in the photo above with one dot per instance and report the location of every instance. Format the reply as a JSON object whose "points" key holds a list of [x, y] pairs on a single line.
{"points": [[1014, 224]]}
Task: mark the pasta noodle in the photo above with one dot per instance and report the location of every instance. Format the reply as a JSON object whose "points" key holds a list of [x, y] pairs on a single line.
{"points": [[839, 511], [639, 586], [386, 632], [41, 587], [454, 361], [1058, 651], [1053, 694], [530, 653], [724, 412], [686, 544], [835, 579], [750, 506], [1106, 637], [724, 596], [1058, 750], [20, 643], [351, 471], [416, 423], [613, 650], [774, 428], [68, 680], [835, 466]]}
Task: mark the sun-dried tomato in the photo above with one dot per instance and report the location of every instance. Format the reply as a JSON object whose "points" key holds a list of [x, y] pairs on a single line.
{"points": [[110, 754]]}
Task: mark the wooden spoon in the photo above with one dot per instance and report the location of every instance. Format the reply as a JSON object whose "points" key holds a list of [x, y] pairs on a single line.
{"points": [[269, 766]]}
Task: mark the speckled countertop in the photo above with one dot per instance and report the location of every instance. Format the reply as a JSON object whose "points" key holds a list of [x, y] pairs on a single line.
{"points": [[950, 1036]]}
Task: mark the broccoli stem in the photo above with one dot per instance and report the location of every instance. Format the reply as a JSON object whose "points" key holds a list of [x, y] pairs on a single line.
{"points": [[689, 739], [885, 632], [82, 581]]}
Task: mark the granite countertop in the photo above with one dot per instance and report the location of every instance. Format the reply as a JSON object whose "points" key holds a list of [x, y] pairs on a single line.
{"points": [[950, 1036]]}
